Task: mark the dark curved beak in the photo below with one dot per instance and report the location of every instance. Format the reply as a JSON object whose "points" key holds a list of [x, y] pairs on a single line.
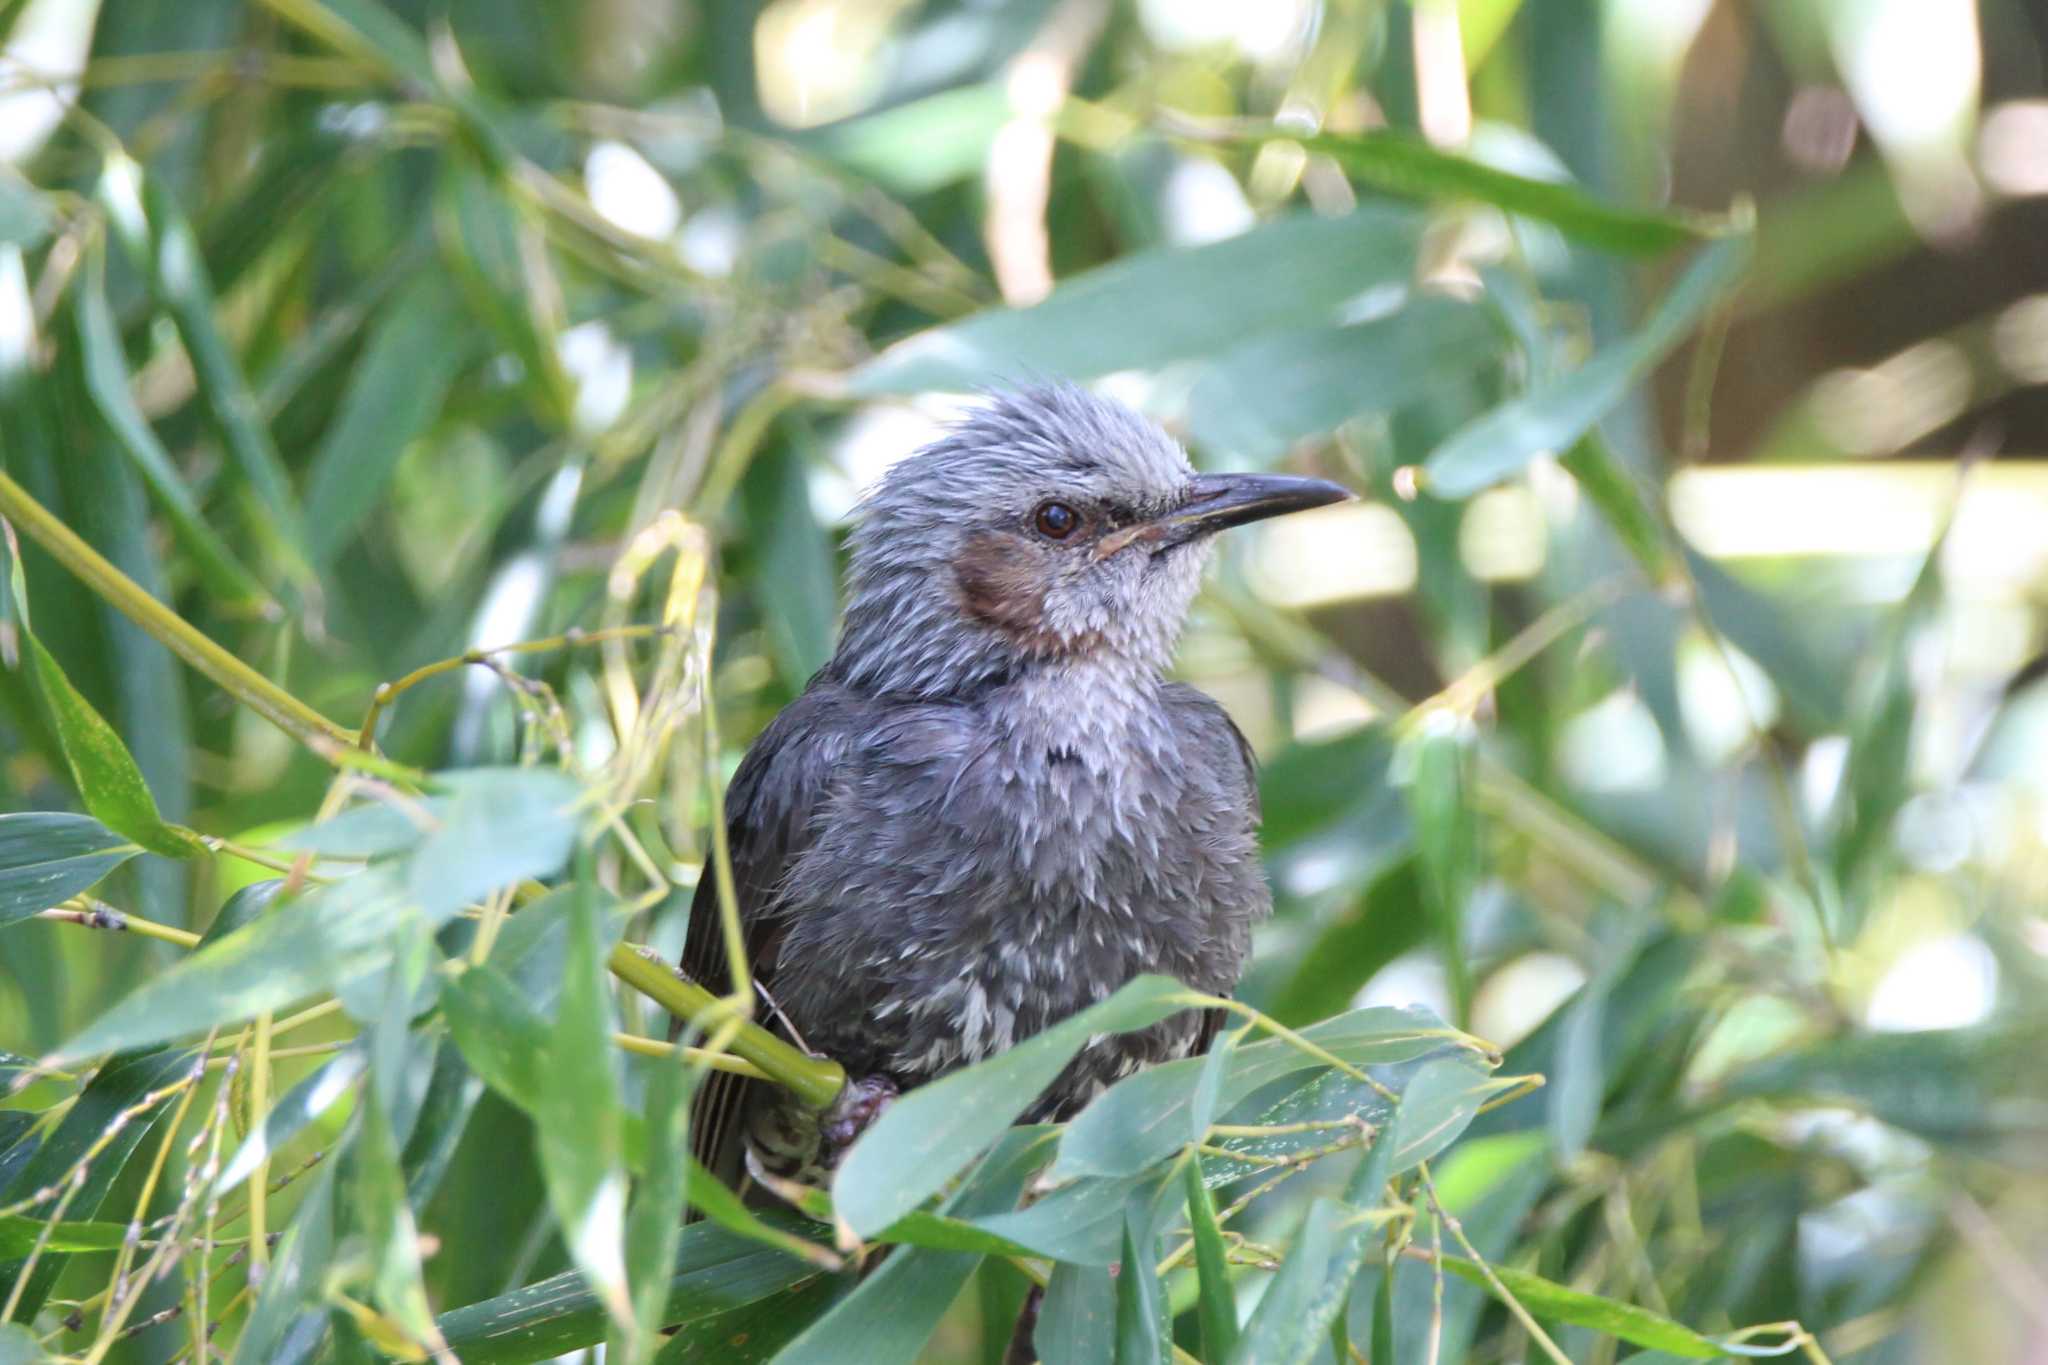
{"points": [[1217, 501]]}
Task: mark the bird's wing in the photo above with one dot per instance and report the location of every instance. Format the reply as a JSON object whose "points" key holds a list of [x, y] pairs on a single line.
{"points": [[1211, 737], [769, 809]]}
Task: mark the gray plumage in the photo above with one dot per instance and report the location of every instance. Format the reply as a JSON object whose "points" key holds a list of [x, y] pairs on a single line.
{"points": [[990, 810]]}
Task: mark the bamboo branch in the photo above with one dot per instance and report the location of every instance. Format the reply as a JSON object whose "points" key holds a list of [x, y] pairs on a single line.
{"points": [[259, 693], [813, 1080]]}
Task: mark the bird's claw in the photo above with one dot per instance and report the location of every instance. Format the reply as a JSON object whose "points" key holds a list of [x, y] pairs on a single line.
{"points": [[860, 1102]]}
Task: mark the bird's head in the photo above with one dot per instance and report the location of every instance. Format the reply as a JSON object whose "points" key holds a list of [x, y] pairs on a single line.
{"points": [[1050, 526]]}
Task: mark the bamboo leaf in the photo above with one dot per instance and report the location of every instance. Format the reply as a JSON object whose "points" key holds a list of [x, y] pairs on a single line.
{"points": [[716, 1274], [105, 773], [1637, 1326], [107, 381], [1158, 306], [1402, 164], [47, 857], [1552, 417], [393, 397], [577, 1111], [927, 1136]]}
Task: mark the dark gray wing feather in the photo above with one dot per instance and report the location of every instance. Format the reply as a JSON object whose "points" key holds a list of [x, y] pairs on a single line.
{"points": [[1213, 737], [770, 805]]}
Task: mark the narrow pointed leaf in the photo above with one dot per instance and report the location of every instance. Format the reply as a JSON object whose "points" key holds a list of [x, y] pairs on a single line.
{"points": [[1402, 164], [108, 383], [1555, 1303], [1551, 418], [1162, 305], [926, 1137], [47, 857]]}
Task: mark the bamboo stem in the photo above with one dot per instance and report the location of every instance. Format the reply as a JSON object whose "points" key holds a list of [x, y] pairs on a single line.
{"points": [[813, 1080], [263, 696]]}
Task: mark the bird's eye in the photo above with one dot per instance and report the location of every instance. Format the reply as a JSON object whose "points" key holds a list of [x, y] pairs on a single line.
{"points": [[1055, 520]]}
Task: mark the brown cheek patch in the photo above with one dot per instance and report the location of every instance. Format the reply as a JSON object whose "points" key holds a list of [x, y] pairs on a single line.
{"points": [[1001, 580]]}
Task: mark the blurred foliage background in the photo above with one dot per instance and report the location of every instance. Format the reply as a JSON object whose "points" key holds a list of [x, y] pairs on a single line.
{"points": [[1673, 714]]}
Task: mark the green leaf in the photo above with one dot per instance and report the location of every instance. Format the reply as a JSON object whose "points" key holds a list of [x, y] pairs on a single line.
{"points": [[1255, 400], [1280, 1332], [309, 945], [289, 1302], [654, 1222], [1610, 489], [103, 770], [1438, 1102], [501, 826], [895, 1309], [18, 1236], [1402, 164], [577, 1112], [1965, 1086], [292, 1115], [1077, 1322], [1439, 761], [47, 857], [1554, 1302], [1218, 1299], [1157, 306], [754, 1332], [107, 381], [156, 233], [1143, 1334], [1552, 417], [18, 1345], [392, 399], [1146, 1117], [716, 1274], [387, 1219], [100, 1134], [25, 217], [923, 1139]]}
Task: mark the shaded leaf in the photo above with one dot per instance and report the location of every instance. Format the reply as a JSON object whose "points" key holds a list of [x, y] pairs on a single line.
{"points": [[106, 380], [1143, 1334], [47, 857], [18, 1236], [393, 396], [715, 1273], [89, 1136], [895, 1308]]}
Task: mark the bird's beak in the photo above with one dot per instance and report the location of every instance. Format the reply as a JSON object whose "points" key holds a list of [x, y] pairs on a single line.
{"points": [[1217, 501]]}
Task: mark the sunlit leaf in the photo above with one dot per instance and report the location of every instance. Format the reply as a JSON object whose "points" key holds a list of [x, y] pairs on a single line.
{"points": [[930, 1134], [1157, 306], [1556, 1303], [1400, 163], [577, 1110], [1551, 418]]}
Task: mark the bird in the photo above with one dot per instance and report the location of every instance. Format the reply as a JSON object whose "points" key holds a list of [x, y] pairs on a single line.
{"points": [[992, 808]]}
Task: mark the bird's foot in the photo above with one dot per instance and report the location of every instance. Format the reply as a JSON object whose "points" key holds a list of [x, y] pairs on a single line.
{"points": [[860, 1103]]}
